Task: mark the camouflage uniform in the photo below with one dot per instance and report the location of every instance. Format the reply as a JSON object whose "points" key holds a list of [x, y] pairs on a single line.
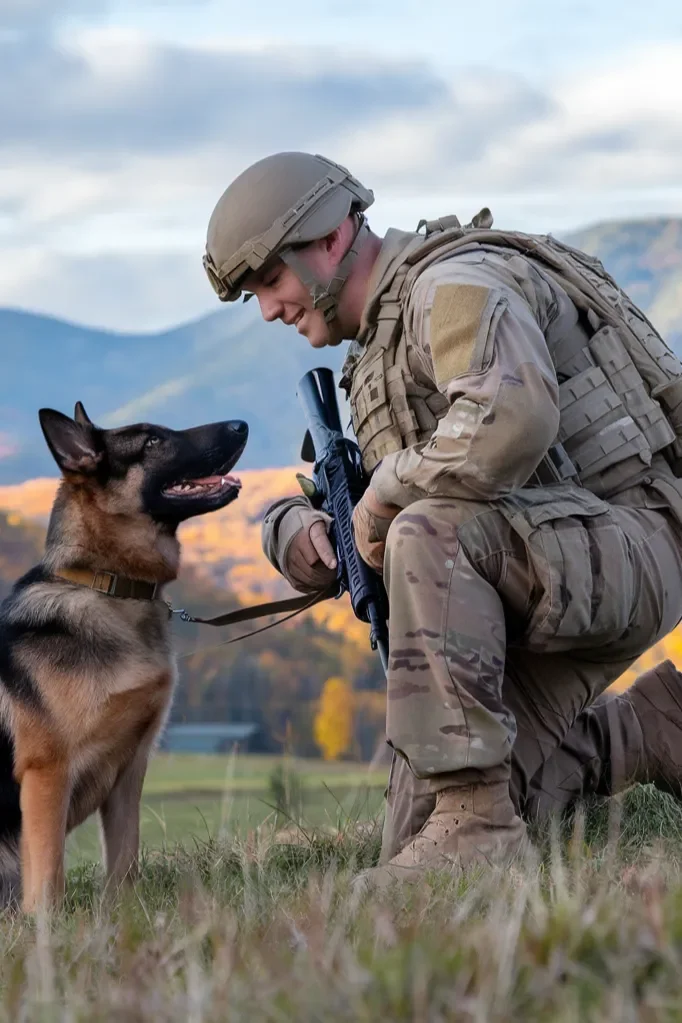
{"points": [[527, 419], [513, 606]]}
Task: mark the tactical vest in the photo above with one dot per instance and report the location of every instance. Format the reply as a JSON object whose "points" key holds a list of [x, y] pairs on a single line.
{"points": [[620, 394]]}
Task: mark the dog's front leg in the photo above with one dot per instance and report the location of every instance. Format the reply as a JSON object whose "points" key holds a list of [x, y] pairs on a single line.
{"points": [[120, 817], [44, 798]]}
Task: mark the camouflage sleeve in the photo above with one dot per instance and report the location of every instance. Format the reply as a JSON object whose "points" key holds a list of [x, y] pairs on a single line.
{"points": [[486, 352]]}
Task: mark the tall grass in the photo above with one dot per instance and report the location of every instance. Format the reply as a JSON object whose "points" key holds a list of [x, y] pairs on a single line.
{"points": [[588, 927]]}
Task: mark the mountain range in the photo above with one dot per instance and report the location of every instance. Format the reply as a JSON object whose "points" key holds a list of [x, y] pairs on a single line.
{"points": [[230, 364]]}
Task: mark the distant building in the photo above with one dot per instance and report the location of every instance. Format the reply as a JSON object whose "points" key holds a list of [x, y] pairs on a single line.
{"points": [[221, 737]]}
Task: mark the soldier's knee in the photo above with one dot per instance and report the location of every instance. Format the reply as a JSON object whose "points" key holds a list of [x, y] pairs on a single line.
{"points": [[413, 526]]}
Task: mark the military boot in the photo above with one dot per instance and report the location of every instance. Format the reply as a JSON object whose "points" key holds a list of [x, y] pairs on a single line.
{"points": [[469, 825], [646, 739]]}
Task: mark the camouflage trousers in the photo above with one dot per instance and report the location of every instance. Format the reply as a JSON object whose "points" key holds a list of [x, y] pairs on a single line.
{"points": [[508, 620]]}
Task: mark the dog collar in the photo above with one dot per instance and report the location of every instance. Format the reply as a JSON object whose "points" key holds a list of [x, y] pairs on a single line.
{"points": [[110, 583]]}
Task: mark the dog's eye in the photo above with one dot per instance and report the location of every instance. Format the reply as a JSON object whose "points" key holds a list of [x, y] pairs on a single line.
{"points": [[151, 441]]}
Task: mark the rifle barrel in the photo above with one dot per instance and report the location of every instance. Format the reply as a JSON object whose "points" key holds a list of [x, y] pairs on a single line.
{"points": [[316, 412]]}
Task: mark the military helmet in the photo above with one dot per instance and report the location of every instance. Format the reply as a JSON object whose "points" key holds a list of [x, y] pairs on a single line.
{"points": [[276, 205]]}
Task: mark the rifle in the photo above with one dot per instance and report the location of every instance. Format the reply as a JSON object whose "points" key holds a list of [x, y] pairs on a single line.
{"points": [[338, 483]]}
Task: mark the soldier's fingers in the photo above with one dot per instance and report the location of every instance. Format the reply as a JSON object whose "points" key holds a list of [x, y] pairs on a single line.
{"points": [[314, 577], [303, 549], [322, 544]]}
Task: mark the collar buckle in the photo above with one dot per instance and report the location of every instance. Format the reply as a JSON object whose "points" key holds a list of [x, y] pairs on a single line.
{"points": [[105, 582]]}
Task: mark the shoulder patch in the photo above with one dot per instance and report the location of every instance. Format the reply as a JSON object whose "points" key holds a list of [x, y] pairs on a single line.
{"points": [[458, 314]]}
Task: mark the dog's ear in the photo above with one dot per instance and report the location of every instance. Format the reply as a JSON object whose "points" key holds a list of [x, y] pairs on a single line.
{"points": [[81, 416], [74, 446]]}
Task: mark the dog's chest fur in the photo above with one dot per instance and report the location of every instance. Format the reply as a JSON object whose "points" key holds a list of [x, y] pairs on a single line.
{"points": [[86, 674]]}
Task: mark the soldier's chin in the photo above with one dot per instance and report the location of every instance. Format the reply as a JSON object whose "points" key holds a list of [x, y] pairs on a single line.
{"points": [[334, 333], [324, 338]]}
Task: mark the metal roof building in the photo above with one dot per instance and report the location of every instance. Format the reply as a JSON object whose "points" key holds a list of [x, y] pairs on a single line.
{"points": [[206, 737]]}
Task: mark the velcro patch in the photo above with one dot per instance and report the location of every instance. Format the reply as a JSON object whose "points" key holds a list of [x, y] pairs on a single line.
{"points": [[457, 316]]}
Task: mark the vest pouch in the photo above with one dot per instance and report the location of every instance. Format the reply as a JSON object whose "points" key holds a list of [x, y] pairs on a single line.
{"points": [[427, 419], [595, 427], [669, 396], [376, 428], [669, 491], [611, 355], [400, 406], [571, 537]]}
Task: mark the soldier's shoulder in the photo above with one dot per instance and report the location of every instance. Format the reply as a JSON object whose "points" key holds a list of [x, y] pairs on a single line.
{"points": [[474, 265]]}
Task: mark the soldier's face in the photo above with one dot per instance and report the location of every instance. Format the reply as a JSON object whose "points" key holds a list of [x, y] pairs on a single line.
{"points": [[282, 296]]}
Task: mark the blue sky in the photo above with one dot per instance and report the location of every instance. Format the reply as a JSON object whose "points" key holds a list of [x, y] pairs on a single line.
{"points": [[122, 123]]}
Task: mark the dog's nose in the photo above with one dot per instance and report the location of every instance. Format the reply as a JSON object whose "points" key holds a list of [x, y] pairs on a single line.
{"points": [[238, 426]]}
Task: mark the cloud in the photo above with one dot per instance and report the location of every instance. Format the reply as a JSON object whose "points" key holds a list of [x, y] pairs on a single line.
{"points": [[130, 291], [42, 14], [116, 121], [115, 148], [40, 17], [117, 97], [617, 127]]}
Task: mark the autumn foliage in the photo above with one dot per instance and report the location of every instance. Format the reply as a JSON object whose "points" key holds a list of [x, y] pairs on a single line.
{"points": [[333, 725], [225, 548]]}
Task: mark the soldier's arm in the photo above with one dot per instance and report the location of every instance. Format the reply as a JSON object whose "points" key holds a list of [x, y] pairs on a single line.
{"points": [[488, 355]]}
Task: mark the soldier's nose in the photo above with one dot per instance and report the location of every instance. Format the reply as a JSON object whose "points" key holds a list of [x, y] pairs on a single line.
{"points": [[270, 310]]}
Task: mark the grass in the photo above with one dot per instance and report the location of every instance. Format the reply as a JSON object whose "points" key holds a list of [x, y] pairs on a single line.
{"points": [[243, 927], [248, 773], [188, 797]]}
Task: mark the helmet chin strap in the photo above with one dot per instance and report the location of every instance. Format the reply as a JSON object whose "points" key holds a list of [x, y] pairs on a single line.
{"points": [[325, 293]]}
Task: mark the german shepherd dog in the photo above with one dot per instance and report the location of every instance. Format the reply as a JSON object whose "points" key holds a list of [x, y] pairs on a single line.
{"points": [[86, 666]]}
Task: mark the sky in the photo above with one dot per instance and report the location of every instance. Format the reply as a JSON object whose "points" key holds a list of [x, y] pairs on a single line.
{"points": [[121, 123]]}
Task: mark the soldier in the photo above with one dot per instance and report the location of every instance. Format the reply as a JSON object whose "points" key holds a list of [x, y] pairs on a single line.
{"points": [[521, 421]]}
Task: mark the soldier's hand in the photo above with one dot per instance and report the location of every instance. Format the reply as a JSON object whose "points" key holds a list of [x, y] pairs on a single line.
{"points": [[310, 559], [371, 522]]}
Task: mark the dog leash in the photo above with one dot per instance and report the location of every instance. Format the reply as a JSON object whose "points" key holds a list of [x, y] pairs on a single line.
{"points": [[114, 585], [294, 605]]}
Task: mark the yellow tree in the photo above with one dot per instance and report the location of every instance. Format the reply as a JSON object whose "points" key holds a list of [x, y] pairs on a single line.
{"points": [[333, 724]]}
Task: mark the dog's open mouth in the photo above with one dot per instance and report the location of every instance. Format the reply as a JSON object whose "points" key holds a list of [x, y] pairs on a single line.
{"points": [[206, 486]]}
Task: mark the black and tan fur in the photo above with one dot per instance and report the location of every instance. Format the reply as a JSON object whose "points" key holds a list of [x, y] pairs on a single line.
{"points": [[86, 679]]}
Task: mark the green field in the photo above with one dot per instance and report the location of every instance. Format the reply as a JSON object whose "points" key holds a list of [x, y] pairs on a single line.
{"points": [[190, 797]]}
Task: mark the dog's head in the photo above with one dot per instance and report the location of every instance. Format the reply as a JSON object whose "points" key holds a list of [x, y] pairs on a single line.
{"points": [[169, 475]]}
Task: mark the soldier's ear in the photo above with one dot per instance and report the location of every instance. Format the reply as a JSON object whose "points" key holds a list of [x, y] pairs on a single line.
{"points": [[75, 447]]}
